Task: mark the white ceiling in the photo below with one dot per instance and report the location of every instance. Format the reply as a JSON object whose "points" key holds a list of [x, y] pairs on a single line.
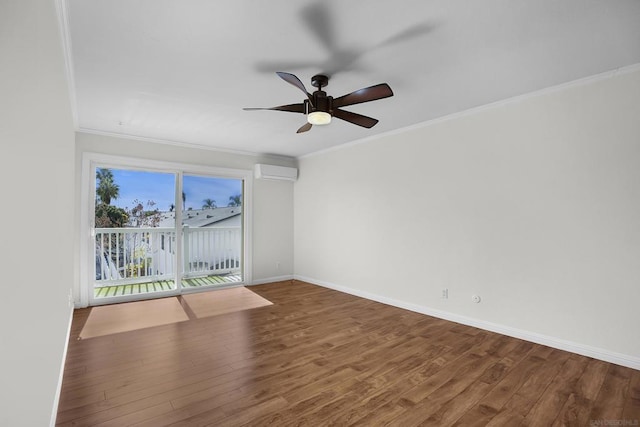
{"points": [[182, 71]]}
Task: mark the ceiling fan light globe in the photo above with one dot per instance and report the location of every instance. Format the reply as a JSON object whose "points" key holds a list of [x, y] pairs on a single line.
{"points": [[319, 118]]}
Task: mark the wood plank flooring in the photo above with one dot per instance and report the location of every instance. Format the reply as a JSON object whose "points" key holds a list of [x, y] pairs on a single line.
{"points": [[320, 357]]}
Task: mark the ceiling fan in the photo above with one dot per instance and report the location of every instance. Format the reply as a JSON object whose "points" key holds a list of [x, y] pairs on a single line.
{"points": [[320, 108]]}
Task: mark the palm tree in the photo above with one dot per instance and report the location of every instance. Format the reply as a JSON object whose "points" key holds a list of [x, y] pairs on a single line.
{"points": [[184, 201], [104, 174], [235, 200], [208, 204], [106, 188]]}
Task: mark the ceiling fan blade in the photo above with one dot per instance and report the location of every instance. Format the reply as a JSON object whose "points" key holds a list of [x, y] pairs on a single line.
{"points": [[304, 128], [367, 94], [415, 31], [274, 66], [356, 119], [318, 17], [290, 78], [293, 108]]}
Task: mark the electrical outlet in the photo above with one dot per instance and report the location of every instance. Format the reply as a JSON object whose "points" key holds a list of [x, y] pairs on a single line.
{"points": [[445, 293]]}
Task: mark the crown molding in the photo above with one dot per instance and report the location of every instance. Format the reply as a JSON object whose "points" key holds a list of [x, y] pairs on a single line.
{"points": [[475, 110]]}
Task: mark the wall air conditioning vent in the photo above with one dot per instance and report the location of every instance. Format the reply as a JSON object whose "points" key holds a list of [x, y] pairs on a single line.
{"points": [[280, 173]]}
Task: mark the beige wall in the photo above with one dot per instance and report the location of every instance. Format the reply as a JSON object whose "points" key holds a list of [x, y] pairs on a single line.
{"points": [[533, 205], [36, 172], [272, 256]]}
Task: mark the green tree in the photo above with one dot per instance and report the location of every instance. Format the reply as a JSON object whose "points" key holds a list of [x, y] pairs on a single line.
{"points": [[103, 174], [235, 200], [108, 216], [208, 204], [106, 188]]}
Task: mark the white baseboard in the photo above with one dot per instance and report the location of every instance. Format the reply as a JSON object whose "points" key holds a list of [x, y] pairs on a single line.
{"points": [[550, 341], [272, 279], [56, 399]]}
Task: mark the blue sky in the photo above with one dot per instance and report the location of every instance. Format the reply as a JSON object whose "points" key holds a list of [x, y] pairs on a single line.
{"points": [[160, 187]]}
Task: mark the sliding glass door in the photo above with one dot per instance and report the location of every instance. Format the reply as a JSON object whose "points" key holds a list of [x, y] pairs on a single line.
{"points": [[158, 232], [135, 233], [211, 230]]}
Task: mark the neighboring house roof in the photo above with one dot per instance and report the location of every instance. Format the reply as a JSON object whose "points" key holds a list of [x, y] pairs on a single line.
{"points": [[201, 217]]}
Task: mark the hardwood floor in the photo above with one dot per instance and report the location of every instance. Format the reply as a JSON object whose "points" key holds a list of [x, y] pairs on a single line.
{"points": [[321, 357]]}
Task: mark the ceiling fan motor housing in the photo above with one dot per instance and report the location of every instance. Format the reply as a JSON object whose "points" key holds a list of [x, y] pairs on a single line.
{"points": [[322, 102]]}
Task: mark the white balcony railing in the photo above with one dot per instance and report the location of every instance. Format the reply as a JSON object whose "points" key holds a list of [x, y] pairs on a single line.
{"points": [[135, 255]]}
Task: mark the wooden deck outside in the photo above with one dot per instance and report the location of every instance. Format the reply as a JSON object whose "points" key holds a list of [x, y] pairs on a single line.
{"points": [[164, 285]]}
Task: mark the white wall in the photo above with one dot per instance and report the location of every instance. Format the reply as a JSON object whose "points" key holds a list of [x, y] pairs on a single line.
{"points": [[273, 230], [272, 200], [36, 172], [533, 204]]}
